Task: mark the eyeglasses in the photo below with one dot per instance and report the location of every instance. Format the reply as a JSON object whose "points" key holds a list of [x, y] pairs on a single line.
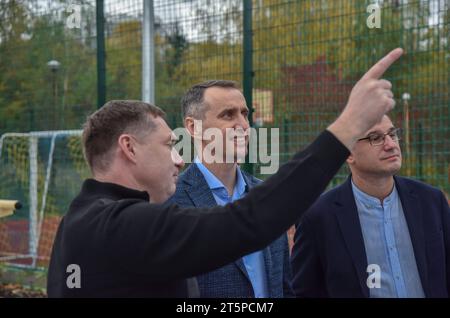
{"points": [[377, 139]]}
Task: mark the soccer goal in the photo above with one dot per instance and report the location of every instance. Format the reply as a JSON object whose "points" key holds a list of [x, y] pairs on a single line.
{"points": [[44, 171]]}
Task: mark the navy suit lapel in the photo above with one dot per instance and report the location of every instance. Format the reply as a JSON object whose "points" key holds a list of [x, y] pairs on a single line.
{"points": [[268, 264], [413, 215], [197, 189], [347, 216], [250, 181]]}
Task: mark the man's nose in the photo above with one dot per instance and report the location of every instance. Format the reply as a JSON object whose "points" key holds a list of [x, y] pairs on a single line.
{"points": [[243, 122], [389, 142], [177, 159]]}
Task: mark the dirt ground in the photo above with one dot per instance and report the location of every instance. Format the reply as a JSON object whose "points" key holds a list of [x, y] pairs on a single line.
{"points": [[18, 291]]}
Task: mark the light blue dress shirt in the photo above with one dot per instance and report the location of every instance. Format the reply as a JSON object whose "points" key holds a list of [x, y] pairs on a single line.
{"points": [[388, 244], [254, 262]]}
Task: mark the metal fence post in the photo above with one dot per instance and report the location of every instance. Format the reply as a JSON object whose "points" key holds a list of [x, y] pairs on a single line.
{"points": [[248, 69], [101, 68]]}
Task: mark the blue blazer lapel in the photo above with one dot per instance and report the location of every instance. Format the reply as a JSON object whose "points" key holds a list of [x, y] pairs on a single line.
{"points": [[240, 264], [250, 181], [197, 189], [348, 220], [413, 215], [269, 266]]}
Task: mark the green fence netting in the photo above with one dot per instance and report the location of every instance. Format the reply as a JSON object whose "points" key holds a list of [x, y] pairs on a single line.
{"points": [[306, 56]]}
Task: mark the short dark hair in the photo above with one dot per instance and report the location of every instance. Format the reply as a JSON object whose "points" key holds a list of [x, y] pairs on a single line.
{"points": [[103, 128], [193, 104]]}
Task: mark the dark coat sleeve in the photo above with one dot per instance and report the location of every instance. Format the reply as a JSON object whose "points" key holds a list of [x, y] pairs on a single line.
{"points": [[167, 242]]}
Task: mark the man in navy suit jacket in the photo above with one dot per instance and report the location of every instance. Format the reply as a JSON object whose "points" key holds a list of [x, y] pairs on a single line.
{"points": [[265, 273], [387, 236]]}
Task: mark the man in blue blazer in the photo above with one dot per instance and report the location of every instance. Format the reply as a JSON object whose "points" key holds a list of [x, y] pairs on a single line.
{"points": [[387, 236], [221, 105]]}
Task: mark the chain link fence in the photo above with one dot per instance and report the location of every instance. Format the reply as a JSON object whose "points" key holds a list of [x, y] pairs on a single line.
{"points": [[305, 57]]}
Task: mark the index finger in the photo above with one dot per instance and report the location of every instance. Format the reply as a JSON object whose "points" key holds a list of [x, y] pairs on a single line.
{"points": [[382, 65]]}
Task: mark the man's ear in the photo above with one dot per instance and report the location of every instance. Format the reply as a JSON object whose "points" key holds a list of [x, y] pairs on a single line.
{"points": [[350, 160], [127, 145], [189, 125], [194, 127]]}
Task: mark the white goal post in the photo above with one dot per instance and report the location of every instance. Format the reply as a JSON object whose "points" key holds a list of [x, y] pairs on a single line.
{"points": [[35, 194]]}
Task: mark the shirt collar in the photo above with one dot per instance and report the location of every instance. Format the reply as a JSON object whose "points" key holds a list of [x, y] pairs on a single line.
{"points": [[214, 183], [371, 201]]}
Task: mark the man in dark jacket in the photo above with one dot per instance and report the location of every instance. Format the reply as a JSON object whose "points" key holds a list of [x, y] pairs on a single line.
{"points": [[119, 240], [377, 235]]}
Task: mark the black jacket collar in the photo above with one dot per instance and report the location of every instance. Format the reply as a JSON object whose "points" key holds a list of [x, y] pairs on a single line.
{"points": [[92, 187]]}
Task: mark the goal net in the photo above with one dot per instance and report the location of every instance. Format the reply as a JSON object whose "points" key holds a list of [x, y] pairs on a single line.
{"points": [[44, 171]]}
